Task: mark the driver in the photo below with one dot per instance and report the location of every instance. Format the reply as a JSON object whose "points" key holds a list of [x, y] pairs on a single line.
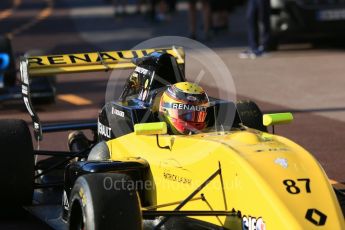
{"points": [[184, 107]]}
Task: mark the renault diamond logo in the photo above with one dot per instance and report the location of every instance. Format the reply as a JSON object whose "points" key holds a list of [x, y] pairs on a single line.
{"points": [[316, 217]]}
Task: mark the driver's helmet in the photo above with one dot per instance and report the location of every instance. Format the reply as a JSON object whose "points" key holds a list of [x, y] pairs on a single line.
{"points": [[184, 107]]}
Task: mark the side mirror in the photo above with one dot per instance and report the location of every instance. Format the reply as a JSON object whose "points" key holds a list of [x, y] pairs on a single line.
{"points": [[153, 128], [277, 119]]}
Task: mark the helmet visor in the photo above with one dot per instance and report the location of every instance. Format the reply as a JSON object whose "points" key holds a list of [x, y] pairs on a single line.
{"points": [[186, 112], [188, 115]]}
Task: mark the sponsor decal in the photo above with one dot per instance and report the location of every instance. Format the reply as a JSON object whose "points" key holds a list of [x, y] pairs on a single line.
{"points": [[84, 58], [104, 130], [36, 125], [141, 70], [146, 83], [24, 72], [28, 107], [24, 90], [65, 203], [191, 98], [252, 223], [82, 197], [316, 217], [272, 150], [189, 107], [79, 58], [176, 178], [282, 162], [117, 112], [331, 15]]}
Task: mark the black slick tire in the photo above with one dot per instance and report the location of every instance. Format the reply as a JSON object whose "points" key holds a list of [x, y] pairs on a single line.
{"points": [[341, 199], [96, 204], [17, 169]]}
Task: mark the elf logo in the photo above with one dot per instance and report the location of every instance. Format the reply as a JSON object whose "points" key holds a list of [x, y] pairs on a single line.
{"points": [[252, 223], [141, 70], [117, 112]]}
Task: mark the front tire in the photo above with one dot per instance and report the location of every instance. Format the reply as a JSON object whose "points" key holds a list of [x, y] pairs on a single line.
{"points": [[95, 205], [17, 168], [341, 199]]}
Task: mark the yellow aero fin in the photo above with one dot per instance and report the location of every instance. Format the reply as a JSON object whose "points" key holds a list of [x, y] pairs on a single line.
{"points": [[97, 61], [150, 128], [277, 119]]}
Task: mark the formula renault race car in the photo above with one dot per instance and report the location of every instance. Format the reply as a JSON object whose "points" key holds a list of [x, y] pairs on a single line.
{"points": [[135, 174], [43, 88]]}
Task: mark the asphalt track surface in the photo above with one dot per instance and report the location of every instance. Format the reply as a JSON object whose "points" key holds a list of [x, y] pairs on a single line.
{"points": [[306, 80]]}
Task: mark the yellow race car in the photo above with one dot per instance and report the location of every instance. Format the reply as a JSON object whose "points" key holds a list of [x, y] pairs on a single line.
{"points": [[136, 174]]}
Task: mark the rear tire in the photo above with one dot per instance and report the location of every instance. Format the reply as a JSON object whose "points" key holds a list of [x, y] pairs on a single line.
{"points": [[250, 115], [341, 199], [96, 205], [17, 168]]}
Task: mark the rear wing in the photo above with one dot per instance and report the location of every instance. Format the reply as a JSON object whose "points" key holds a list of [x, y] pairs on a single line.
{"points": [[51, 65]]}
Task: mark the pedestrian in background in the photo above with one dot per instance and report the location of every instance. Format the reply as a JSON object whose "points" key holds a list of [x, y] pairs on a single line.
{"points": [[206, 18], [119, 7], [141, 6], [258, 12], [220, 15]]}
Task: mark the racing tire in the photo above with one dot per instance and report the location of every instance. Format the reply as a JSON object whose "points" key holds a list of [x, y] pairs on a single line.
{"points": [[10, 75], [250, 115], [96, 205], [341, 199], [17, 168]]}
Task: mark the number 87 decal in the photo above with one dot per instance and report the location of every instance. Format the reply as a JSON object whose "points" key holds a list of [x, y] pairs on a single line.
{"points": [[294, 187]]}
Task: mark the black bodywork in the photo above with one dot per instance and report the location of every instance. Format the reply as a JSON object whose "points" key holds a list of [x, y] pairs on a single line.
{"points": [[135, 105]]}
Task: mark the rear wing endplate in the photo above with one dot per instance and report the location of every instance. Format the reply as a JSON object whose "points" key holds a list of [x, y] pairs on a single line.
{"points": [[51, 65]]}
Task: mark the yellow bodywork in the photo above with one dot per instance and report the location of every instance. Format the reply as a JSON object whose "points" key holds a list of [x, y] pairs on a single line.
{"points": [[256, 169]]}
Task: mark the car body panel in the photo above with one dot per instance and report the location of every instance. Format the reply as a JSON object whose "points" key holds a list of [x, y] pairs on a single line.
{"points": [[253, 177]]}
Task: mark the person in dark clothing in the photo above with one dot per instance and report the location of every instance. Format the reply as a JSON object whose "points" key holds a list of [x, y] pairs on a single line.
{"points": [[206, 18], [220, 14], [258, 12]]}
